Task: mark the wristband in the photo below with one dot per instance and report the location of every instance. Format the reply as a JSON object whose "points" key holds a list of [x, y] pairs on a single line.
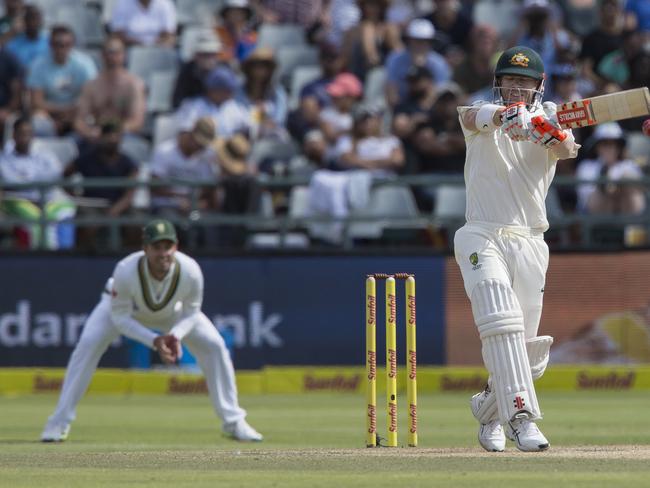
{"points": [[485, 117]]}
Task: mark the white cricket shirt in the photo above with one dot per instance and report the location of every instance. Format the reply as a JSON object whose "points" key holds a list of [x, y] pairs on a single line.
{"points": [[139, 302], [506, 181]]}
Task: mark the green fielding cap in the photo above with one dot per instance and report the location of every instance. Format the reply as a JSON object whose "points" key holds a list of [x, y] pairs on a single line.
{"points": [[159, 230], [522, 61]]}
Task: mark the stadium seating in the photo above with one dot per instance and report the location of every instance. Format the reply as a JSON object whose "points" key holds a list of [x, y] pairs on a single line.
{"points": [[164, 128], [137, 148], [271, 35], [143, 61], [64, 148], [300, 76], [161, 89], [290, 57], [197, 11], [389, 202], [374, 88]]}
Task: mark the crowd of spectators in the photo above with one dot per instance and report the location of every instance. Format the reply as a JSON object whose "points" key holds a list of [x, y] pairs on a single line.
{"points": [[345, 86]]}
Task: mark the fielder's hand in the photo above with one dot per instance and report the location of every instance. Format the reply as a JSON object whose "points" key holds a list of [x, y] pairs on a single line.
{"points": [[515, 121], [546, 132], [169, 348]]}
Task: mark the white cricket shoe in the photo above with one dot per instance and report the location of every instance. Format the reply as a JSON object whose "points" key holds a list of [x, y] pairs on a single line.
{"points": [[490, 436], [55, 432], [242, 431], [526, 435]]}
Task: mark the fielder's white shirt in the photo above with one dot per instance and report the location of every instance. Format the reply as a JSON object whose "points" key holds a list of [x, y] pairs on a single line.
{"points": [[507, 181], [139, 301]]}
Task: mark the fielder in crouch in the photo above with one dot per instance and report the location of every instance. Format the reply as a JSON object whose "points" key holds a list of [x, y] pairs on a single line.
{"points": [[513, 145], [161, 288]]}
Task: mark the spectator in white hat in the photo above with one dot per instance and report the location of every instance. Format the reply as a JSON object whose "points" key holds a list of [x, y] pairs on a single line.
{"points": [[235, 30], [418, 37], [608, 144], [192, 74]]}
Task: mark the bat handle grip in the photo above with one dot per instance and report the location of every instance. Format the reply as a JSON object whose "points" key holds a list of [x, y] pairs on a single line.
{"points": [[545, 126]]}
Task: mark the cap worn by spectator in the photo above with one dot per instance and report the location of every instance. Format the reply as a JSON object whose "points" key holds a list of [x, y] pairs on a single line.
{"points": [[420, 29], [345, 85], [208, 44], [239, 4], [363, 112], [260, 55], [221, 78], [233, 153], [535, 5], [417, 72], [159, 230], [204, 131], [609, 131]]}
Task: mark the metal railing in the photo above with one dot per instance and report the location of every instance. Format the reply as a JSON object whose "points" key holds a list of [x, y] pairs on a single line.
{"points": [[566, 227]]}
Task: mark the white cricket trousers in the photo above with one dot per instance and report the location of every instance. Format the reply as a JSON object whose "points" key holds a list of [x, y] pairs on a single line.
{"points": [[205, 343], [515, 256]]}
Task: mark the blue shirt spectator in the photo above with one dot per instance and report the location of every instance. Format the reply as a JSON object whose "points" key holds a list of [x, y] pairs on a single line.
{"points": [[32, 43], [419, 37], [61, 83]]}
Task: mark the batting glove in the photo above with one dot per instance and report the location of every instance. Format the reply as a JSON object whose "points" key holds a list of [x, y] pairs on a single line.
{"points": [[546, 132], [515, 121]]}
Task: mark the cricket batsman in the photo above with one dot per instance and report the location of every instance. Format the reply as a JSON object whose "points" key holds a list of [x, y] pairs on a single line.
{"points": [[513, 145], [157, 288]]}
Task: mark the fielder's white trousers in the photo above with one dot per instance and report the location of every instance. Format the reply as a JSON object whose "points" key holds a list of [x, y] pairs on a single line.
{"points": [[205, 343], [513, 255]]}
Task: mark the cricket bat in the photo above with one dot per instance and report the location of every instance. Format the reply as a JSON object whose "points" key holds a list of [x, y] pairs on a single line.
{"points": [[604, 108]]}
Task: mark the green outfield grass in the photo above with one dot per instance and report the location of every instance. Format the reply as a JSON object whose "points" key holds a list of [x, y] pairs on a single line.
{"points": [[598, 439]]}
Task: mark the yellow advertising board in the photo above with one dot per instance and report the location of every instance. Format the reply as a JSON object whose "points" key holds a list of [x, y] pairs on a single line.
{"points": [[283, 380]]}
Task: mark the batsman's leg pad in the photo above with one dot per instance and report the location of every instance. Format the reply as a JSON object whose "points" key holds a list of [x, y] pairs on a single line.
{"points": [[484, 404], [500, 323]]}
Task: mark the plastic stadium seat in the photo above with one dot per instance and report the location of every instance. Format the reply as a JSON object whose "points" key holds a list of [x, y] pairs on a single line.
{"points": [[143, 61], [299, 202], [64, 148], [385, 201], [638, 147], [164, 128], [161, 90], [273, 149], [273, 240], [137, 148], [107, 10], [291, 57], [142, 196], [197, 11], [374, 88], [276, 35], [86, 22], [299, 78], [450, 202], [503, 15]]}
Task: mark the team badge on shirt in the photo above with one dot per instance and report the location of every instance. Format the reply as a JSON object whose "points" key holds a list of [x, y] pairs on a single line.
{"points": [[520, 59], [473, 258]]}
